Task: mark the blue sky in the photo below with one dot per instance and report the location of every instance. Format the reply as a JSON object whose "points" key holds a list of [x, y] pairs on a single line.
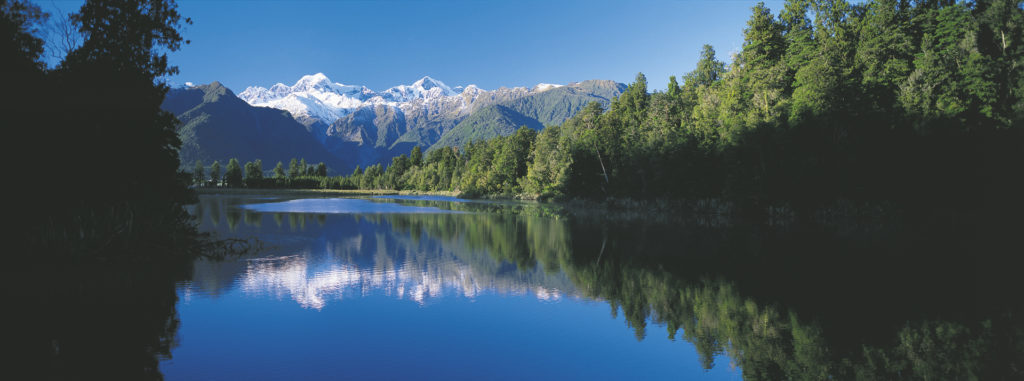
{"points": [[386, 43]]}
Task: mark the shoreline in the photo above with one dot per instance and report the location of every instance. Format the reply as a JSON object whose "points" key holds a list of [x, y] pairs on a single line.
{"points": [[330, 192]]}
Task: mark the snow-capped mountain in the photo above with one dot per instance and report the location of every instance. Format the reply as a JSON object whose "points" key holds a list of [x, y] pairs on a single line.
{"points": [[359, 126], [313, 96], [316, 97]]}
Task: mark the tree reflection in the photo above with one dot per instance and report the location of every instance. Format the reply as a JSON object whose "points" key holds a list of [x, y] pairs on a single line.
{"points": [[806, 302], [816, 301], [92, 322]]}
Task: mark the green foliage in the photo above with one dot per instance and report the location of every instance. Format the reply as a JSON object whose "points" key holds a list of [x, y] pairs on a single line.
{"points": [[133, 214], [293, 169], [198, 177], [709, 69], [550, 107], [487, 123], [883, 100], [416, 156], [215, 173], [217, 125], [279, 171], [253, 172], [233, 174]]}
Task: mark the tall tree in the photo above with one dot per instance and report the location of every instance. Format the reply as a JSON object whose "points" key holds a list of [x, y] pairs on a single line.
{"points": [[709, 69], [279, 171], [764, 78], [197, 173], [885, 51], [233, 174], [416, 156], [293, 169], [113, 83], [215, 173], [253, 172], [799, 35]]}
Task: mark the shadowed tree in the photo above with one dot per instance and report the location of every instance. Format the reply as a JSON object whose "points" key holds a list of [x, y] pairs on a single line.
{"points": [[293, 169], [279, 171], [197, 173], [109, 90], [233, 174], [215, 173]]}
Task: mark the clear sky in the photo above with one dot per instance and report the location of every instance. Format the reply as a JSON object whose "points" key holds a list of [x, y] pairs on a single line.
{"points": [[489, 43]]}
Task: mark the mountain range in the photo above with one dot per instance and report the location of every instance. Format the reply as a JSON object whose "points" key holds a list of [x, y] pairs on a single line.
{"points": [[349, 125]]}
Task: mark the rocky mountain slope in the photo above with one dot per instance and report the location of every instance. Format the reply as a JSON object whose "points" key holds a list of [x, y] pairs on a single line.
{"points": [[352, 124]]}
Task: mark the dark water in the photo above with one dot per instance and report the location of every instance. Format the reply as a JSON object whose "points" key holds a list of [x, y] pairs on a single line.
{"points": [[436, 288]]}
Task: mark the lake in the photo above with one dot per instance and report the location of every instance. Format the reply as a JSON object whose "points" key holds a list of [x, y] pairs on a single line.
{"points": [[404, 288], [441, 288]]}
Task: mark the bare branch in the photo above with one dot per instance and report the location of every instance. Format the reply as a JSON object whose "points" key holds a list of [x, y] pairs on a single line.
{"points": [[62, 36]]}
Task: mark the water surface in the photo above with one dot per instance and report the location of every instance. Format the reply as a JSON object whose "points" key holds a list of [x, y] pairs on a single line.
{"points": [[410, 287], [392, 288]]}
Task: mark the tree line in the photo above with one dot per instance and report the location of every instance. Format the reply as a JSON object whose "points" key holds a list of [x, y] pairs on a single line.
{"points": [[298, 175], [881, 100], [884, 100]]}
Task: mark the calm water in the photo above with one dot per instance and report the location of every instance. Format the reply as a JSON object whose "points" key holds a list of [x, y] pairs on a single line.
{"points": [[441, 288], [374, 288]]}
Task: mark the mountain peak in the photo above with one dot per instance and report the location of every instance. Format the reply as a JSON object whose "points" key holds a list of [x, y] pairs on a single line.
{"points": [[542, 87], [318, 77], [426, 83], [313, 81]]}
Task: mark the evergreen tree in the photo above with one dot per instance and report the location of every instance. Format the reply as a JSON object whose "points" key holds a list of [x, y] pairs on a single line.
{"points": [[233, 174], [215, 173], [293, 169], [279, 171], [709, 69], [197, 173], [416, 156], [885, 51], [253, 172]]}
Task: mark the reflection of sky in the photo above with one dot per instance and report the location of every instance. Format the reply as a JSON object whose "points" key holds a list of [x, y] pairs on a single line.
{"points": [[338, 206], [350, 297], [352, 254]]}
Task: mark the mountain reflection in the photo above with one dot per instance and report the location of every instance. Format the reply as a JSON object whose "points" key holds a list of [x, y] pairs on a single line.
{"points": [[344, 256], [865, 300]]}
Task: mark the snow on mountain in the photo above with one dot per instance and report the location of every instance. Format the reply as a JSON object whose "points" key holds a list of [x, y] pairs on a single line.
{"points": [[542, 87], [316, 97], [424, 88], [313, 96]]}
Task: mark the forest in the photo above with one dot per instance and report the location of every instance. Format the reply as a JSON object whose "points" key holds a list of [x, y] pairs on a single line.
{"points": [[88, 95], [878, 101]]}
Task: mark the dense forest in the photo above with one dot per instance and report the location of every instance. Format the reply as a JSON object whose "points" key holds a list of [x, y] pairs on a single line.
{"points": [[880, 101], [94, 100]]}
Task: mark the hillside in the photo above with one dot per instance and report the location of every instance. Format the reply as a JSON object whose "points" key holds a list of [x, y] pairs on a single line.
{"points": [[217, 125], [548, 107]]}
